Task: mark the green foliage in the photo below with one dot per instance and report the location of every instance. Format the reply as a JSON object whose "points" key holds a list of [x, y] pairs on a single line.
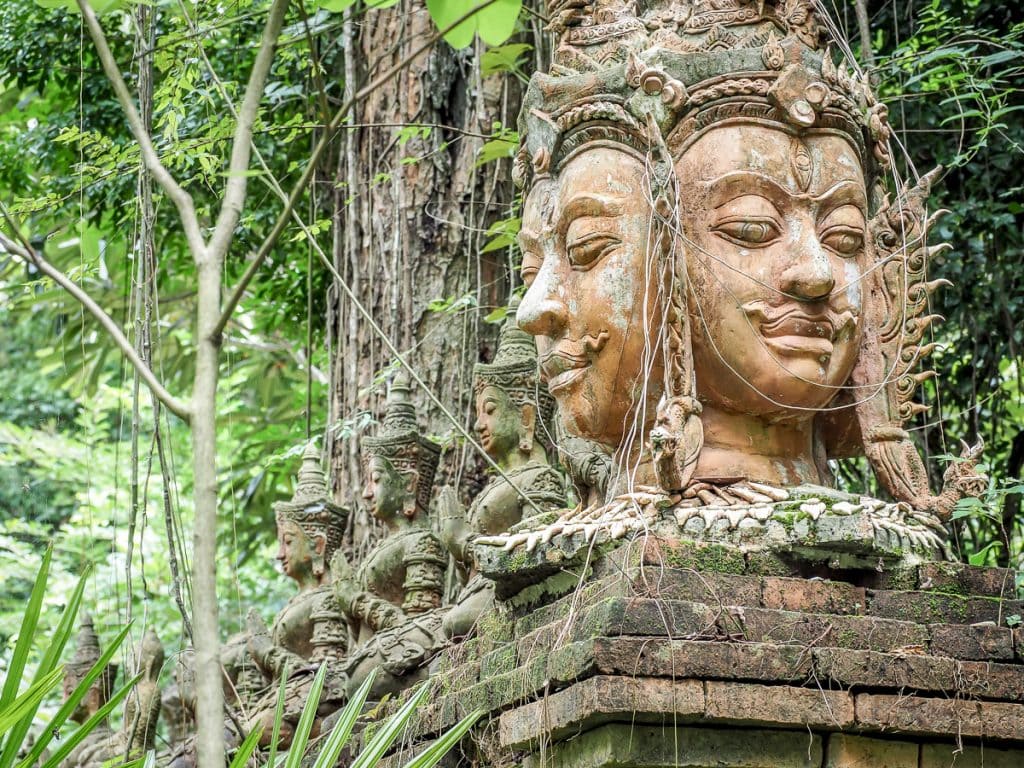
{"points": [[494, 22], [17, 711]]}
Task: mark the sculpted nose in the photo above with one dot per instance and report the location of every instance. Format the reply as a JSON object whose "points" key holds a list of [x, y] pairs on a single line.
{"points": [[809, 275], [542, 312]]}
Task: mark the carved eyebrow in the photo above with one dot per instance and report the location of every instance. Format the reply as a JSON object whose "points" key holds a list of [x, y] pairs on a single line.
{"points": [[843, 193], [736, 184], [528, 239], [590, 204]]}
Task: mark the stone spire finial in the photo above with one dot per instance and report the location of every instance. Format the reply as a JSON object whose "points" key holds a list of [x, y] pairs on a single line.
{"points": [[87, 653], [400, 413]]}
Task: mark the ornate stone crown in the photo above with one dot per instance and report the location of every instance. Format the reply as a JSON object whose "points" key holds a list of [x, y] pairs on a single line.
{"points": [[402, 444], [695, 64], [311, 508]]}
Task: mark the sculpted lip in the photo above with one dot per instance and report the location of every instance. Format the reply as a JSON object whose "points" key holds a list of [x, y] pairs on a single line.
{"points": [[795, 332], [568, 360]]}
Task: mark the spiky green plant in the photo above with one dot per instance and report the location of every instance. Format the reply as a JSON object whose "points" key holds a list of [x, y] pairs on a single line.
{"points": [[17, 711]]}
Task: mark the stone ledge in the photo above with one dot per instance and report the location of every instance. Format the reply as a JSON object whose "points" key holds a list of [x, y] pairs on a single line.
{"points": [[952, 756], [940, 718], [940, 608], [621, 744]]}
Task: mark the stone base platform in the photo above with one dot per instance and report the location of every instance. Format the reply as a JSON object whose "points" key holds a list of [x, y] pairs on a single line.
{"points": [[672, 653]]}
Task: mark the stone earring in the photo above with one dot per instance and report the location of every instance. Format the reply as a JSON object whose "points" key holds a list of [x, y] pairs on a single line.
{"points": [[527, 426], [409, 502]]}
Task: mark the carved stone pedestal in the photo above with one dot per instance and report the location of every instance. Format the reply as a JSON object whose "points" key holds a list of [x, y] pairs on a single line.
{"points": [[671, 653]]}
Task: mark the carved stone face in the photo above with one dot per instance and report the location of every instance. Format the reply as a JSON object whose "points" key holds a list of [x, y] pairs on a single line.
{"points": [[592, 292], [295, 551], [384, 489], [497, 422], [777, 230]]}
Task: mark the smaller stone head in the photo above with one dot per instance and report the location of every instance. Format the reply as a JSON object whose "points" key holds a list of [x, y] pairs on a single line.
{"points": [[512, 409], [311, 525], [399, 463], [87, 653]]}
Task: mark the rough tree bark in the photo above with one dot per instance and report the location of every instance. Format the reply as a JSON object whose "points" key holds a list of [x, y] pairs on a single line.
{"points": [[410, 231]]}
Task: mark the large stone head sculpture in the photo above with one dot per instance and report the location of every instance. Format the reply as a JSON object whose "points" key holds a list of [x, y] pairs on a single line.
{"points": [[310, 526], [717, 278], [399, 463], [513, 408]]}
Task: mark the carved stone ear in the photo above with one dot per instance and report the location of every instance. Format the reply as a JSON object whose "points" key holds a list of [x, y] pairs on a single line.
{"points": [[409, 502], [527, 427], [319, 564]]}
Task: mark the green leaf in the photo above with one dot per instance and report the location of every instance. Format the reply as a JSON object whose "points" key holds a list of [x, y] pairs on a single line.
{"points": [[335, 6], [79, 693], [503, 58], [343, 728], [495, 21], [16, 667], [981, 556], [247, 748], [433, 754], [385, 737], [305, 725], [89, 725], [25, 705], [275, 735]]}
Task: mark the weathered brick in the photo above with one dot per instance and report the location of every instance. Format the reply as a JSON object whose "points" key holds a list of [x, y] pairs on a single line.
{"points": [[979, 642], [781, 705], [1018, 643], [871, 669], [812, 596], [711, 588], [820, 630], [587, 703], [992, 681], [845, 751], [663, 657], [964, 579], [940, 717], [645, 616], [938, 608], [960, 756], [622, 744]]}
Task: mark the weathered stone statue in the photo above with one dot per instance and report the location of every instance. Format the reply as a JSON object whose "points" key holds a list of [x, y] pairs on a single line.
{"points": [[393, 600], [310, 629], [513, 421], [724, 295], [137, 734]]}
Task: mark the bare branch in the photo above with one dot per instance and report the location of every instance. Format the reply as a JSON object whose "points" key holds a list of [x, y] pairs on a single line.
{"points": [[33, 257], [182, 199], [234, 193], [307, 174]]}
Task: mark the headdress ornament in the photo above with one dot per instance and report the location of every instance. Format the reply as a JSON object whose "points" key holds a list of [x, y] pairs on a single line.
{"points": [[402, 444], [87, 653], [311, 508], [682, 67]]}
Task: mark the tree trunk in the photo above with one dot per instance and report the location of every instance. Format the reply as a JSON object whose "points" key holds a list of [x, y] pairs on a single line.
{"points": [[410, 221]]}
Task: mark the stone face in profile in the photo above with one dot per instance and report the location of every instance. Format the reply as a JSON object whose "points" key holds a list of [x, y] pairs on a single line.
{"points": [[723, 295], [513, 415], [393, 599], [309, 629]]}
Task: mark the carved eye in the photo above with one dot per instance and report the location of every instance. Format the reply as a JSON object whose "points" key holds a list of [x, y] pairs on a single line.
{"points": [[750, 232], [587, 250], [846, 241]]}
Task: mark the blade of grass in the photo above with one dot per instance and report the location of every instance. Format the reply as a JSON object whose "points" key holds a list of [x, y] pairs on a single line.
{"points": [[55, 759], [248, 747], [69, 705], [386, 736], [343, 728], [278, 716], [433, 754], [16, 669], [301, 737], [25, 634], [26, 703]]}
